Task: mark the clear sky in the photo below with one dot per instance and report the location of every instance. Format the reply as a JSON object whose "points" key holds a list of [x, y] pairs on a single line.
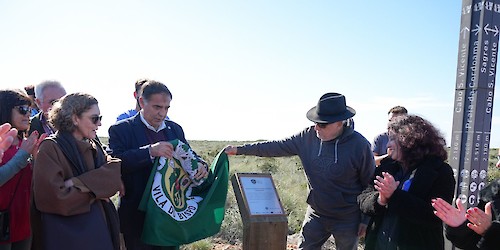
{"points": [[243, 70]]}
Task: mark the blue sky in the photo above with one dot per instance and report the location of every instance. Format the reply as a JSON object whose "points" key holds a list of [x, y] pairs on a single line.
{"points": [[243, 70]]}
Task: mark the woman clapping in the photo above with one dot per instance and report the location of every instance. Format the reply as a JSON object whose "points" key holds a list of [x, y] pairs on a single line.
{"points": [[399, 200], [16, 171]]}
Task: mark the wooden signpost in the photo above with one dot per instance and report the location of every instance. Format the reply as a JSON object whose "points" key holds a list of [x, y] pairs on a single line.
{"points": [[265, 224]]}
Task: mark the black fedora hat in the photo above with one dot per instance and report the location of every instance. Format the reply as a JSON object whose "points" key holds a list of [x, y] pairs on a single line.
{"points": [[331, 108]]}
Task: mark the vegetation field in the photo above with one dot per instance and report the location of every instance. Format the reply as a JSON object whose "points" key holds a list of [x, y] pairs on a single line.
{"points": [[290, 182]]}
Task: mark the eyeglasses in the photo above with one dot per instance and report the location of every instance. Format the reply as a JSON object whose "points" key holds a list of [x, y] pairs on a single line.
{"points": [[95, 119], [322, 125], [23, 110]]}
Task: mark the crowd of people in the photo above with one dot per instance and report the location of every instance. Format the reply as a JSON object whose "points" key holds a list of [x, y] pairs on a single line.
{"points": [[56, 179]]}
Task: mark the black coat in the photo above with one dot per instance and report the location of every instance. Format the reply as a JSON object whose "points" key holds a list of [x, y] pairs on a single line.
{"points": [[127, 140], [465, 238], [408, 221]]}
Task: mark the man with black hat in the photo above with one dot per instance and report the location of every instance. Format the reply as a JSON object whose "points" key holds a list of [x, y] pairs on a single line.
{"points": [[338, 163]]}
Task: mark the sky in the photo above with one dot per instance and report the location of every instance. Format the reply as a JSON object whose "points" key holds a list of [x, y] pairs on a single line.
{"points": [[243, 70]]}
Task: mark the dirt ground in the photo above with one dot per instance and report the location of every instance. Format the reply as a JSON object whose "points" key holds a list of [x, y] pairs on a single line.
{"points": [[291, 245]]}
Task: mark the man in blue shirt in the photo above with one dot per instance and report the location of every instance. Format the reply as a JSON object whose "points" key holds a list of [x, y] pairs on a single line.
{"points": [[137, 94], [379, 146]]}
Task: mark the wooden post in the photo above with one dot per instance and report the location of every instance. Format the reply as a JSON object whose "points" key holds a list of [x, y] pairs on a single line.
{"points": [[265, 224]]}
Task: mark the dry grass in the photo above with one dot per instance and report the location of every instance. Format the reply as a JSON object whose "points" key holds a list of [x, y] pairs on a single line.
{"points": [[287, 175]]}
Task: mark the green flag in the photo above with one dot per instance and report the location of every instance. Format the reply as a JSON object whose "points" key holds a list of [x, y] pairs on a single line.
{"points": [[179, 208]]}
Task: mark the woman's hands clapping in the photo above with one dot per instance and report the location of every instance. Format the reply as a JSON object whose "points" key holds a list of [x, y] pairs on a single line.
{"points": [[479, 220], [453, 217], [32, 143], [386, 186]]}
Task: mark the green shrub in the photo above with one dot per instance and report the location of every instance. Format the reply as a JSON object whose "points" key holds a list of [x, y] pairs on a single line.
{"points": [[268, 166], [493, 171], [204, 244]]}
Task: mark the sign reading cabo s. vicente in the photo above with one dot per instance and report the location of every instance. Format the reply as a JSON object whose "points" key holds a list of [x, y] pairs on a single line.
{"points": [[475, 84]]}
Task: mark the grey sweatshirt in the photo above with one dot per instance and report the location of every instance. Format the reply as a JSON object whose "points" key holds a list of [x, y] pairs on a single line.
{"points": [[337, 170], [13, 166]]}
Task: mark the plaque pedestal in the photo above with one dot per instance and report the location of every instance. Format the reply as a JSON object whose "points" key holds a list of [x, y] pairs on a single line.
{"points": [[265, 224]]}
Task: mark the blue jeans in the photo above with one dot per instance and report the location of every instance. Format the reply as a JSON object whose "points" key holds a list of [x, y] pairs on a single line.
{"points": [[316, 231]]}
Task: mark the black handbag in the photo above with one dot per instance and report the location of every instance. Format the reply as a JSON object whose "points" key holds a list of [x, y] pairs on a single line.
{"points": [[82, 231], [5, 216], [4, 225]]}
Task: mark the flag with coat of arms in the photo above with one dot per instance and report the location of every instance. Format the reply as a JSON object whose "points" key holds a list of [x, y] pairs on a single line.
{"points": [[179, 208]]}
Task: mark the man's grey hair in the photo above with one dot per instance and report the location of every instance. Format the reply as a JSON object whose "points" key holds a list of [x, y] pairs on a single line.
{"points": [[39, 88]]}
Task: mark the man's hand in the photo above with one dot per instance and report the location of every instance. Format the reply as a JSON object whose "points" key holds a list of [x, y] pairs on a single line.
{"points": [[202, 171], [162, 148], [230, 150]]}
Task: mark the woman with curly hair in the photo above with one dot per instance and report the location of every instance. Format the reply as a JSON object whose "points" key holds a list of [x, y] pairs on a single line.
{"points": [[399, 199], [73, 179]]}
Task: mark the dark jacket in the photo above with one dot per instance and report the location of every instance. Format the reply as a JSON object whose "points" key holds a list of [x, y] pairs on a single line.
{"points": [[465, 238], [128, 141], [36, 124], [408, 221]]}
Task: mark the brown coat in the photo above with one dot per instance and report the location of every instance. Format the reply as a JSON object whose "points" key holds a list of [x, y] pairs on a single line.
{"points": [[52, 169]]}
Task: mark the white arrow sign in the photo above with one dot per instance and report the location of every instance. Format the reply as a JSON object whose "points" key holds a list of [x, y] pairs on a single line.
{"points": [[486, 29], [476, 30], [464, 31]]}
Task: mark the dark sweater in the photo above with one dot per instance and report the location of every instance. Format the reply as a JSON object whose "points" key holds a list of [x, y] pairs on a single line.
{"points": [[337, 170]]}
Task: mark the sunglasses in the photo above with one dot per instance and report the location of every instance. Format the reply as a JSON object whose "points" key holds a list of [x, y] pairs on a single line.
{"points": [[53, 101], [95, 119], [322, 125], [23, 110]]}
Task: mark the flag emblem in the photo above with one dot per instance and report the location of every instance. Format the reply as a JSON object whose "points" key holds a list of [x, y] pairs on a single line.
{"points": [[180, 208], [172, 189]]}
